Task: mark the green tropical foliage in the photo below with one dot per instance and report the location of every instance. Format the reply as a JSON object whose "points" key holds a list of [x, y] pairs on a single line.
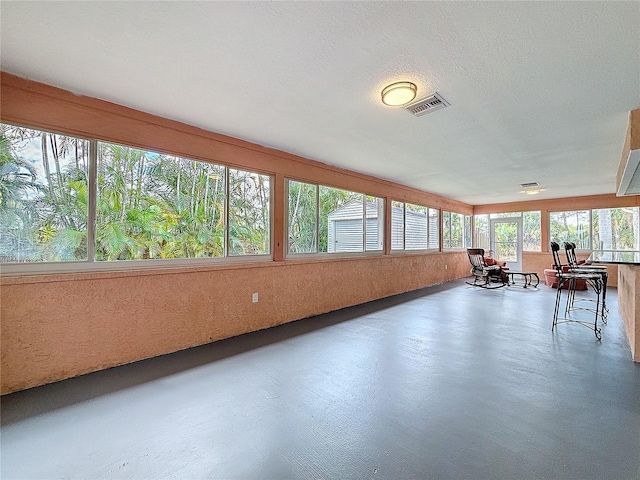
{"points": [[453, 230], [302, 211], [43, 206], [613, 228], [531, 231], [571, 227], [149, 205]]}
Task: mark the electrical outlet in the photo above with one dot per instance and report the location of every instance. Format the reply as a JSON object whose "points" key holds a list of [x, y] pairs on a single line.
{"points": [[446, 267], [254, 297]]}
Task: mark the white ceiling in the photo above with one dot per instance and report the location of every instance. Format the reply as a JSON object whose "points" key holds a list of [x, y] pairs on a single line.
{"points": [[539, 91]]}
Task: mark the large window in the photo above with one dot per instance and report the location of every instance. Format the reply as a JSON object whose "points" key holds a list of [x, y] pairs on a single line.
{"points": [[573, 226], [414, 227], [303, 217], [481, 232], [598, 229], [330, 220], [532, 231], [44, 196], [456, 231], [249, 213], [615, 228], [147, 205]]}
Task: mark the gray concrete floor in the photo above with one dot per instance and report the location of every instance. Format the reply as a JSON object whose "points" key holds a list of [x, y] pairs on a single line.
{"points": [[449, 382]]}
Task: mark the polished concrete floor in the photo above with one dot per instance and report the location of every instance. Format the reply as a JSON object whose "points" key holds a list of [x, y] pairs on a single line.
{"points": [[449, 382]]}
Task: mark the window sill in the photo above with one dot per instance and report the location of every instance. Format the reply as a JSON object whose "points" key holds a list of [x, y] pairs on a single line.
{"points": [[70, 271]]}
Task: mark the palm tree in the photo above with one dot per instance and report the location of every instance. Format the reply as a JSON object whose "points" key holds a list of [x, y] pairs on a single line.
{"points": [[18, 215]]}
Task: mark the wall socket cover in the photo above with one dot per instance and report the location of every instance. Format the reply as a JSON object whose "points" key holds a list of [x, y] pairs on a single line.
{"points": [[254, 298]]}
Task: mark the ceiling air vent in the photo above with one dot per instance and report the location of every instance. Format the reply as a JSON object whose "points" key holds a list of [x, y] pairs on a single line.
{"points": [[426, 105], [530, 184]]}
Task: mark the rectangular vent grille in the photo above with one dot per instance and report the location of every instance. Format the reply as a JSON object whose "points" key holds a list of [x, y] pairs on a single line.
{"points": [[530, 184], [427, 105]]}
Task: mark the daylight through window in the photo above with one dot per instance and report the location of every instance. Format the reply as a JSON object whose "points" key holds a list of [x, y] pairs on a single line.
{"points": [[148, 205], [331, 220], [414, 227]]}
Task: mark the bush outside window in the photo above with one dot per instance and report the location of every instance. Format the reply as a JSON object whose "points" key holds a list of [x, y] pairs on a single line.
{"points": [[44, 196], [598, 229], [531, 229], [454, 236], [616, 228], [571, 226]]}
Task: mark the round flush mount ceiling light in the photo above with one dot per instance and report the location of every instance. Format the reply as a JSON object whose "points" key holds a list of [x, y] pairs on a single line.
{"points": [[399, 93], [533, 191]]}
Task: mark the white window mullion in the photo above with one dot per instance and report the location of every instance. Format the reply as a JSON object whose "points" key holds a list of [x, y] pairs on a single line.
{"points": [[364, 223], [226, 212], [404, 226], [428, 214], [317, 219], [93, 201], [591, 229]]}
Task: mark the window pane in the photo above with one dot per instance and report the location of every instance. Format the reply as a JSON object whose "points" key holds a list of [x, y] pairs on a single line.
{"points": [[341, 222], [434, 228], [615, 229], [375, 224], [303, 207], [44, 196], [457, 230], [446, 230], [249, 213], [481, 231], [571, 227], [415, 227], [155, 206], [467, 231], [531, 231], [397, 225]]}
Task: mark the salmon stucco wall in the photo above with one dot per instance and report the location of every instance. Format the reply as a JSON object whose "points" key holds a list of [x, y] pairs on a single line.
{"points": [[60, 326], [628, 301]]}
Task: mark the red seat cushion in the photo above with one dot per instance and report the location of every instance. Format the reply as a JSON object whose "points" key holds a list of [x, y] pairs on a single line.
{"points": [[551, 280]]}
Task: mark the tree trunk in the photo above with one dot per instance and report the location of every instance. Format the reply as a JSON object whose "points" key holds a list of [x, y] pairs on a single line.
{"points": [[45, 163], [56, 159], [606, 230]]}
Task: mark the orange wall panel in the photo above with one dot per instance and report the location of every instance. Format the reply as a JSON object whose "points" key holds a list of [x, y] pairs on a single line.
{"points": [[60, 326], [629, 300]]}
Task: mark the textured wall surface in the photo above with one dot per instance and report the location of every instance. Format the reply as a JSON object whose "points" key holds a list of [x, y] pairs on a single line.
{"points": [[60, 326], [628, 298]]}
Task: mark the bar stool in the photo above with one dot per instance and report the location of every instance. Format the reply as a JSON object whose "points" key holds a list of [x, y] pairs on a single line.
{"points": [[574, 266], [569, 278]]}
